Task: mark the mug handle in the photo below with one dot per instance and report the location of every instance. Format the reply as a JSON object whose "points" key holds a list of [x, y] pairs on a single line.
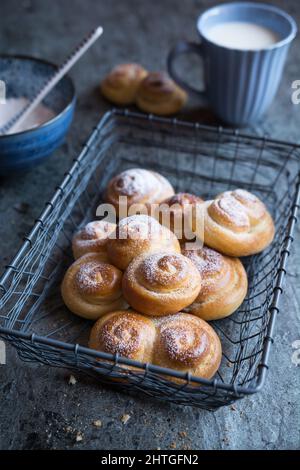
{"points": [[184, 47]]}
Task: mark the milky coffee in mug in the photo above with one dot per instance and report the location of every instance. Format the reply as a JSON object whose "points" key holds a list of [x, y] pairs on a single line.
{"points": [[244, 47], [242, 35]]}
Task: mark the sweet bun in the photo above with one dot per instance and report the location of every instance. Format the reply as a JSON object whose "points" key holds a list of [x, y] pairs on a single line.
{"points": [[91, 288], [137, 186], [181, 342], [177, 212], [161, 283], [223, 283], [159, 94], [237, 223], [92, 238], [187, 344], [121, 84], [136, 235], [125, 332]]}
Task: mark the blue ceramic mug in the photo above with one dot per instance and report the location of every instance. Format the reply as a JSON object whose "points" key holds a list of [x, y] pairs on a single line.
{"points": [[240, 81]]}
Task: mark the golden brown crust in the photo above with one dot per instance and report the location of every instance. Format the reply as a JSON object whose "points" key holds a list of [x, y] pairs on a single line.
{"points": [[91, 288], [237, 223], [188, 344], [139, 234], [121, 84], [92, 238], [138, 186], [159, 94], [177, 212], [161, 283], [181, 342], [224, 284], [124, 332]]}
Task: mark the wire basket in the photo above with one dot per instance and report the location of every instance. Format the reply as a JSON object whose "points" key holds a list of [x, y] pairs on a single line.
{"points": [[195, 158]]}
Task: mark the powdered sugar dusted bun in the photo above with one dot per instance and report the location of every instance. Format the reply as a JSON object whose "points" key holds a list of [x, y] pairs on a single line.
{"points": [[224, 283], [177, 213], [181, 342], [138, 186], [139, 234], [188, 344], [161, 283], [91, 287], [237, 223], [159, 94], [124, 332], [121, 84], [92, 239]]}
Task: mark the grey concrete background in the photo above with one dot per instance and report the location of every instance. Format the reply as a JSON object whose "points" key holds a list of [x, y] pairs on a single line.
{"points": [[38, 408]]}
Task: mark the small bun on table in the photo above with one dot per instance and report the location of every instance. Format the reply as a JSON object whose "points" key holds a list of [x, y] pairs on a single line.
{"points": [[139, 234], [91, 288], [121, 84], [92, 238], [161, 283], [159, 94], [137, 186], [177, 212], [237, 223], [224, 283], [181, 342]]}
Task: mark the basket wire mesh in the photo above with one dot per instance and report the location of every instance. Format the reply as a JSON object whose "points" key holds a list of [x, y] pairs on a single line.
{"points": [[195, 158]]}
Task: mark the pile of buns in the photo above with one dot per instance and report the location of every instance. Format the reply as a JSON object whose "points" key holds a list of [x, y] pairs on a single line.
{"points": [[152, 294], [152, 92]]}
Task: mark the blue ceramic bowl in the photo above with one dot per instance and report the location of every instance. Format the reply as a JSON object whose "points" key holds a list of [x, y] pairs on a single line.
{"points": [[24, 76]]}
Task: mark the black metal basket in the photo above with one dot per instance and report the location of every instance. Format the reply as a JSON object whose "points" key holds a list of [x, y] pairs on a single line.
{"points": [[195, 158]]}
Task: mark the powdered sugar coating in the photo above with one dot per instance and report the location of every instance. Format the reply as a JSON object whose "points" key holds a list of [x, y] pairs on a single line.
{"points": [[136, 184], [96, 277], [253, 208], [99, 230], [164, 271], [134, 181], [208, 261], [161, 283], [92, 238], [234, 210], [243, 195], [139, 227], [183, 339], [122, 334], [182, 199]]}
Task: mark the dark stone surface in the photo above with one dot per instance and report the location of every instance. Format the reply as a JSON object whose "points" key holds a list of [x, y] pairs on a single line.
{"points": [[38, 407]]}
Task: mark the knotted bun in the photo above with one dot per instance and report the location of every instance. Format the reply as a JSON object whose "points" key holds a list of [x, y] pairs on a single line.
{"points": [[161, 283], [139, 186], [237, 223], [91, 287], [159, 94], [121, 84], [181, 342], [92, 239], [223, 283], [139, 234]]}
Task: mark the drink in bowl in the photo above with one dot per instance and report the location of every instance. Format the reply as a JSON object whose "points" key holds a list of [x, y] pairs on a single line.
{"points": [[244, 47], [46, 128]]}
